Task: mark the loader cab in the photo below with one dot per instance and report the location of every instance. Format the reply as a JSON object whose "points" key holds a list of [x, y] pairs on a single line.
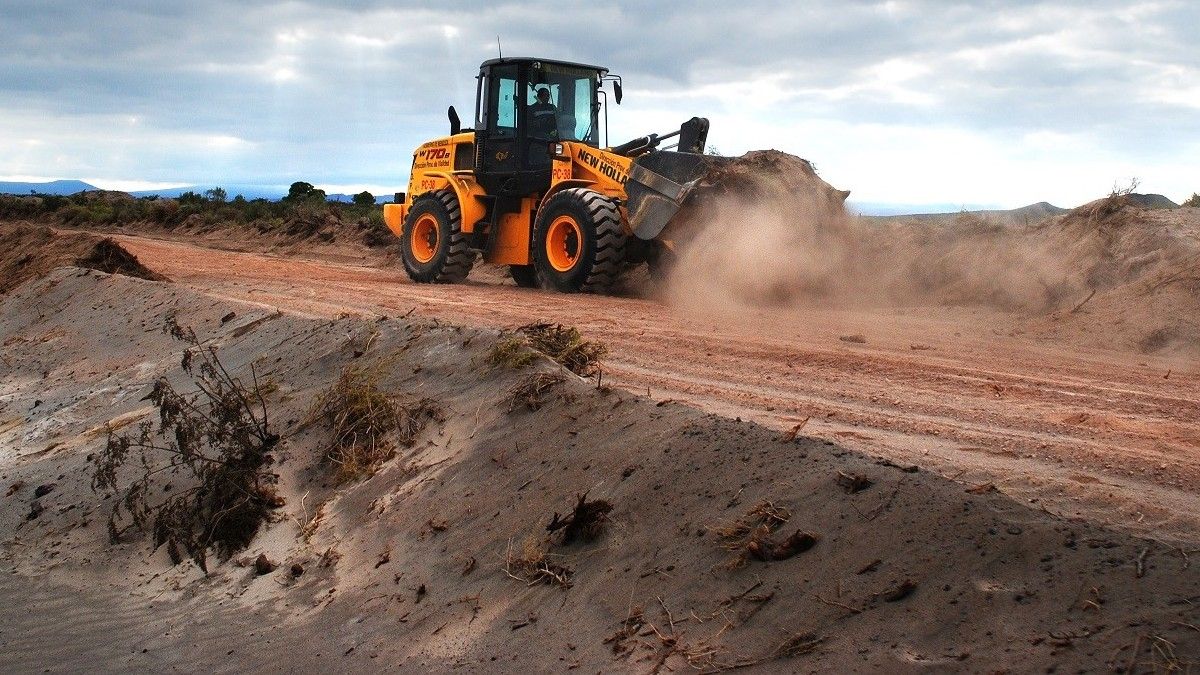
{"points": [[513, 152]]}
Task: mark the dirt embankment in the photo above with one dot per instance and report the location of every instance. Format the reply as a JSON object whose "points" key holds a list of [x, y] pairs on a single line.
{"points": [[30, 251], [767, 231], [703, 541]]}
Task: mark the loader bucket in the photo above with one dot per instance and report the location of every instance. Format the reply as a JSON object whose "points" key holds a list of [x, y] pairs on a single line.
{"points": [[659, 183]]}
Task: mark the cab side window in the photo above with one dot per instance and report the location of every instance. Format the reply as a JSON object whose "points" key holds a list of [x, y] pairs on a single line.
{"points": [[504, 103]]}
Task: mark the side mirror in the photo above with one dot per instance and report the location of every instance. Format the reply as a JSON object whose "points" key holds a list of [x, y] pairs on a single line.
{"points": [[455, 122], [617, 92]]}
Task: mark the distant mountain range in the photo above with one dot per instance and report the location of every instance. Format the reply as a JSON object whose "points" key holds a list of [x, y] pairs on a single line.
{"points": [[54, 187], [70, 187], [885, 209], [1032, 213]]}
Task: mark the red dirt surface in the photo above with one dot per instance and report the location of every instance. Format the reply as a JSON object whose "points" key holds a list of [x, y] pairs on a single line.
{"points": [[1106, 435]]}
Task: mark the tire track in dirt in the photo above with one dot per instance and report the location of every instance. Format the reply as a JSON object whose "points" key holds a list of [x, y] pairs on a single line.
{"points": [[1077, 430]]}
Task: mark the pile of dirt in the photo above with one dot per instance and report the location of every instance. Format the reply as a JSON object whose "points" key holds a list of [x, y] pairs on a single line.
{"points": [[611, 532], [29, 251]]}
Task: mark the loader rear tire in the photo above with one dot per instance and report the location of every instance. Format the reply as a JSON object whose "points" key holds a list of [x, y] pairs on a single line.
{"points": [[578, 242], [433, 246]]}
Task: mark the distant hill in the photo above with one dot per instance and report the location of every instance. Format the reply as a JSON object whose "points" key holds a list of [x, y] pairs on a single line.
{"points": [[1025, 214], [54, 187], [1153, 201]]}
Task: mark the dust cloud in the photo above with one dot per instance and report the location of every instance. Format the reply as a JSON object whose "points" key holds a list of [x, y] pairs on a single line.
{"points": [[783, 237]]}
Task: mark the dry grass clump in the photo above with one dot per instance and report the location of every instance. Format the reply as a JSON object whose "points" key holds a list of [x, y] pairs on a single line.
{"points": [[565, 345], [751, 537], [364, 419], [511, 353], [532, 392], [532, 564]]}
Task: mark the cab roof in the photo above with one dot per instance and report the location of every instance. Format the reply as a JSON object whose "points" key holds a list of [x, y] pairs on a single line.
{"points": [[530, 59]]}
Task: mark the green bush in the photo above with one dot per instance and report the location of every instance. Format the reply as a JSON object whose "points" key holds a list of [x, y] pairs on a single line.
{"points": [[1193, 201]]}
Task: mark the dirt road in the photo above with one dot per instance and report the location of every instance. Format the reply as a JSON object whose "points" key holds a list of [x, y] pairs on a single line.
{"points": [[1108, 436]]}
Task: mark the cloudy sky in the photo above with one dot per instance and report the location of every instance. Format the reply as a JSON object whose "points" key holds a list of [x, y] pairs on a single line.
{"points": [[1001, 103]]}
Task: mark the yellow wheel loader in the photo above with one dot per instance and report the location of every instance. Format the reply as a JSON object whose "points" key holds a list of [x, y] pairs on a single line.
{"points": [[533, 188]]}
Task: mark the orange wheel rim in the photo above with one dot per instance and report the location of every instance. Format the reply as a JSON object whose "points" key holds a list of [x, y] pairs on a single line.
{"points": [[564, 243], [425, 235]]}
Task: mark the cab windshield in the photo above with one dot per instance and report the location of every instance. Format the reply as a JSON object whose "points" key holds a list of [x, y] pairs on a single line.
{"points": [[573, 95]]}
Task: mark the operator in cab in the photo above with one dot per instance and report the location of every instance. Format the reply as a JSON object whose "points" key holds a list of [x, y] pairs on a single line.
{"points": [[543, 120]]}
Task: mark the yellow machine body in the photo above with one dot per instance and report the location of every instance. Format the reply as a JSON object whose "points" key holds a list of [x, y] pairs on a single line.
{"points": [[573, 165]]}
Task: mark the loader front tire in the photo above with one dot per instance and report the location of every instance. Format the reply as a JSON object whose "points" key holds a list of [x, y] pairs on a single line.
{"points": [[578, 242], [433, 246]]}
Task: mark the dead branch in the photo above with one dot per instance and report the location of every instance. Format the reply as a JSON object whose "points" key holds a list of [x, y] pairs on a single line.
{"points": [[834, 603], [1076, 308], [1141, 562]]}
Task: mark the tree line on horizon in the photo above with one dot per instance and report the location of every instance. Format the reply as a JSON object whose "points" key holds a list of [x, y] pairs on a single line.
{"points": [[304, 212], [300, 191]]}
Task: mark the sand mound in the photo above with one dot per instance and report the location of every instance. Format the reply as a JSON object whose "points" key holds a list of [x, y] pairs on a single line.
{"points": [[700, 541], [1135, 275], [30, 251]]}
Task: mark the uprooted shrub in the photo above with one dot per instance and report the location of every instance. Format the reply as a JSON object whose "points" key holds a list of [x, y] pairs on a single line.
{"points": [[752, 537], [565, 345], [202, 478], [534, 564], [364, 420], [586, 522]]}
